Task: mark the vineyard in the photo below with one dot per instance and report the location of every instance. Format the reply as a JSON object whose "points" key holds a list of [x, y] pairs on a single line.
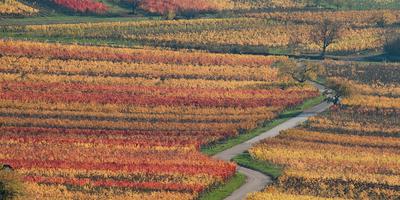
{"points": [[349, 152], [200, 99], [262, 4], [88, 122], [350, 4], [168, 6], [15, 8], [252, 33], [355, 18], [170, 9]]}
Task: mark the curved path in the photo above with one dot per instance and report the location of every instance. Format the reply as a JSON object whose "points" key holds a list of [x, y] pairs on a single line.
{"points": [[257, 181]]}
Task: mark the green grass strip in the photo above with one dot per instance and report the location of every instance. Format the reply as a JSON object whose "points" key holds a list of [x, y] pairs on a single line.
{"points": [[224, 190], [264, 167], [284, 116]]}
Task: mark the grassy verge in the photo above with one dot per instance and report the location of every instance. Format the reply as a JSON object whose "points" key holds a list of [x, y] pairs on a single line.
{"points": [[321, 80], [264, 167], [284, 116], [224, 190]]}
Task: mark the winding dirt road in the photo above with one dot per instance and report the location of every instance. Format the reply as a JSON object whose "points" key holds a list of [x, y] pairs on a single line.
{"points": [[257, 181]]}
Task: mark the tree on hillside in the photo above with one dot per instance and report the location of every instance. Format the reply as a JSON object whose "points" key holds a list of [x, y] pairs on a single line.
{"points": [[392, 43], [337, 91], [385, 18], [326, 33], [134, 4], [299, 72], [11, 186]]}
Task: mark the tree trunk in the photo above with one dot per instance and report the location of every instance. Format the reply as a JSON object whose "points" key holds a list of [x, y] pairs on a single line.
{"points": [[134, 7], [323, 53]]}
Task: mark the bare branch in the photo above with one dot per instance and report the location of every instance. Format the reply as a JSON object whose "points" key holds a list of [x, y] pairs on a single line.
{"points": [[326, 33]]}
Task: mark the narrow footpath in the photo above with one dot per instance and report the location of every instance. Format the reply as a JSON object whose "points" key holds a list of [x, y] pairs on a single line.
{"points": [[255, 180]]}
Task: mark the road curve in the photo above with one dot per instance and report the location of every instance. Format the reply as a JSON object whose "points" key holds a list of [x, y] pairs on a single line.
{"points": [[256, 181]]}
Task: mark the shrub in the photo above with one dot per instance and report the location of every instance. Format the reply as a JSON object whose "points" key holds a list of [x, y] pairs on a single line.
{"points": [[83, 5], [11, 186], [186, 8], [386, 18], [392, 46]]}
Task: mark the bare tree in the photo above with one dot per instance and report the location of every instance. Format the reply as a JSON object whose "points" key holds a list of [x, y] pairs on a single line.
{"points": [[325, 33], [300, 72], [135, 5]]}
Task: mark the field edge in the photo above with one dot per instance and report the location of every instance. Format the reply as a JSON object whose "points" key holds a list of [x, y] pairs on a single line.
{"points": [[269, 169], [218, 147], [224, 190]]}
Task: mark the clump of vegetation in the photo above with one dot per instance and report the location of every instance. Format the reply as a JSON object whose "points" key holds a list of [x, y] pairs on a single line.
{"points": [[186, 8], [11, 186], [326, 33], [386, 18], [392, 46], [338, 91], [299, 72]]}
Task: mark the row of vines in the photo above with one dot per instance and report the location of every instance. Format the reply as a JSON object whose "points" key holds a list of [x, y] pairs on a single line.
{"points": [[15, 8], [255, 33], [351, 152], [85, 122]]}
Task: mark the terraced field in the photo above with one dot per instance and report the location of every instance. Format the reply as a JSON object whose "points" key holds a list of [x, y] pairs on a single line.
{"points": [[89, 122], [254, 33], [151, 99], [349, 152]]}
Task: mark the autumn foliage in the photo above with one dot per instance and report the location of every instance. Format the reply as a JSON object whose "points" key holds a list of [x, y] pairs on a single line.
{"points": [[180, 6], [83, 6], [225, 34], [80, 122], [350, 152], [16, 8]]}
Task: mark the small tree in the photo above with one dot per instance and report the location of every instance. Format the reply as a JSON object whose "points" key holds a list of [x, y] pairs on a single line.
{"points": [[11, 185], [392, 46], [325, 33], [135, 5], [300, 72], [337, 91], [392, 43], [384, 19]]}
